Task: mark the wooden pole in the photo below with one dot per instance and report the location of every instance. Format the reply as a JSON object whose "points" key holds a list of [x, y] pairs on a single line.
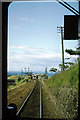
{"points": [[62, 49]]}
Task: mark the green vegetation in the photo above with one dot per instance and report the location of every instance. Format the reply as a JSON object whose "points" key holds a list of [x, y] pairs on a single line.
{"points": [[44, 76], [73, 52], [53, 70], [65, 66], [15, 80], [68, 78], [64, 86]]}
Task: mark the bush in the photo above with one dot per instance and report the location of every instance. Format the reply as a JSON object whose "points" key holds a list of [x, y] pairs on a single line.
{"points": [[19, 79]]}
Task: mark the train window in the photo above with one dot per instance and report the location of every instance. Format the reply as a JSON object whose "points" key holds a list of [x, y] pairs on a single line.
{"points": [[42, 75]]}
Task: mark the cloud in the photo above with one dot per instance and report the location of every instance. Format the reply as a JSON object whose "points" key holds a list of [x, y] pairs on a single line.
{"points": [[16, 46], [66, 55], [35, 58], [18, 51], [36, 63], [34, 51]]}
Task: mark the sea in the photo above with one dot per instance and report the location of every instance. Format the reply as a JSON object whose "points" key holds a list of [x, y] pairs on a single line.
{"points": [[19, 73]]}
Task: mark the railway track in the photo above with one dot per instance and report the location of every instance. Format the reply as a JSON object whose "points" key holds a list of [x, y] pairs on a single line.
{"points": [[32, 106]]}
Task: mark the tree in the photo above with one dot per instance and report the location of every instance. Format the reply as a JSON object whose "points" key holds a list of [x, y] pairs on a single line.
{"points": [[73, 52], [69, 63], [53, 70], [67, 58], [78, 48], [19, 79], [65, 66]]}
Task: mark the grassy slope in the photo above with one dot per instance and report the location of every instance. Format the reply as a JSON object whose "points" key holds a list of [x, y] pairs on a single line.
{"points": [[68, 78], [64, 86]]}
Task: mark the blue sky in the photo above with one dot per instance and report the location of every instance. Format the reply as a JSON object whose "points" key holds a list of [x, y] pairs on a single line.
{"points": [[33, 40]]}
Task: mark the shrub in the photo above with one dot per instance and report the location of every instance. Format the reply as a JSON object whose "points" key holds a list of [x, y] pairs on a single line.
{"points": [[19, 79]]}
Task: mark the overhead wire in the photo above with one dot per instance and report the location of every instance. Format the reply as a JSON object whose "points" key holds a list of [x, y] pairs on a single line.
{"points": [[68, 7], [71, 6]]}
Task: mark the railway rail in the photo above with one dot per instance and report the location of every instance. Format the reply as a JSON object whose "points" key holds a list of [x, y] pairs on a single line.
{"points": [[32, 106]]}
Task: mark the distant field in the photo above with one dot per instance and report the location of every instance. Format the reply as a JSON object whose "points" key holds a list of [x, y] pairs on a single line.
{"points": [[18, 93], [15, 80]]}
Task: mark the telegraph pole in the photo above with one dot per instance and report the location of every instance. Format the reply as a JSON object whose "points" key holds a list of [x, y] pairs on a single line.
{"points": [[78, 14], [62, 49], [61, 31]]}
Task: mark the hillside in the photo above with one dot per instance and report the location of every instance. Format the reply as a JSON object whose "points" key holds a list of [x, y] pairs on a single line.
{"points": [[63, 87], [68, 78]]}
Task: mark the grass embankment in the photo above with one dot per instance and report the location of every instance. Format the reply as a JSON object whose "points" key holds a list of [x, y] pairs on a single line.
{"points": [[63, 88]]}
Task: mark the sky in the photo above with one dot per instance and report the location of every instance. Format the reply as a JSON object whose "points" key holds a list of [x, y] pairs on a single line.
{"points": [[33, 38]]}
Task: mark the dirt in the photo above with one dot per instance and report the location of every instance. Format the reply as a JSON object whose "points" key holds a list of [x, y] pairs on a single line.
{"points": [[55, 107], [32, 107], [52, 107], [19, 93], [49, 103]]}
